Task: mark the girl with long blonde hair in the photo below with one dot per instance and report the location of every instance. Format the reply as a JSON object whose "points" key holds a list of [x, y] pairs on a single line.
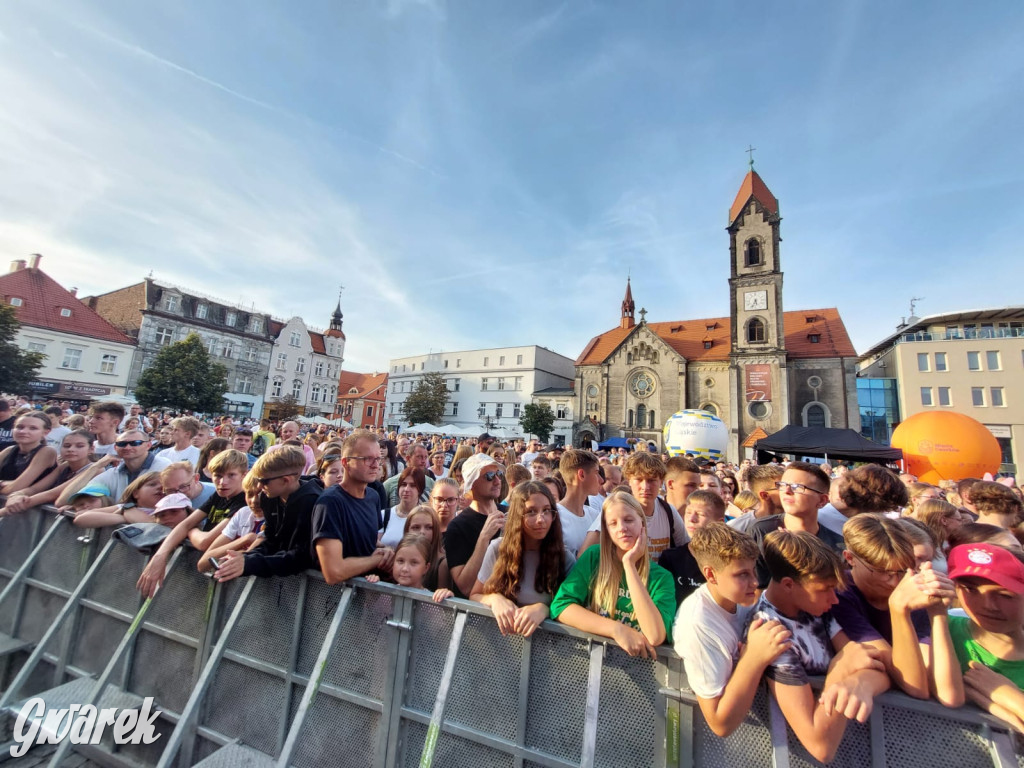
{"points": [[614, 590]]}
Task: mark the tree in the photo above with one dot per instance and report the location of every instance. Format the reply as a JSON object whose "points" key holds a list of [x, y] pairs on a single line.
{"points": [[184, 378], [286, 407], [17, 366], [538, 420], [427, 401]]}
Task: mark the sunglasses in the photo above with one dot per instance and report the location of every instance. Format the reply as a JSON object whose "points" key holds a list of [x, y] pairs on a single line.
{"points": [[489, 476], [126, 443], [266, 480]]}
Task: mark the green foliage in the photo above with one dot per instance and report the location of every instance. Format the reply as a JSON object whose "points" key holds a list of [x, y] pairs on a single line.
{"points": [[182, 377], [17, 366], [427, 401], [538, 420], [286, 408]]}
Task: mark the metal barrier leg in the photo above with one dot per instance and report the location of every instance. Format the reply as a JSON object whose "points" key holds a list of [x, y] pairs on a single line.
{"points": [[593, 701], [30, 561], [315, 676], [394, 689], [1001, 748], [199, 691], [69, 606], [434, 729], [126, 640], [524, 698]]}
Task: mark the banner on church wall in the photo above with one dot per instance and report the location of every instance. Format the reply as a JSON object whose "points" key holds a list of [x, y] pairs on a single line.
{"points": [[759, 382]]}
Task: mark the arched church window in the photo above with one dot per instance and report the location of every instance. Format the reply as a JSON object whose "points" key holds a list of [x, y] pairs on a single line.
{"points": [[650, 419], [815, 416], [752, 253], [755, 330], [710, 408], [641, 416], [629, 420]]}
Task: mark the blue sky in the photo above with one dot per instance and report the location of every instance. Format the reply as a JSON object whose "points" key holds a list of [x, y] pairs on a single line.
{"points": [[484, 174]]}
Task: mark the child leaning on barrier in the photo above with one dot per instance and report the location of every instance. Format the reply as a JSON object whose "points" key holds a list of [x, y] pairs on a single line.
{"points": [[804, 574], [137, 504], [723, 672], [411, 564], [615, 590], [424, 521], [989, 641], [243, 529], [523, 569]]}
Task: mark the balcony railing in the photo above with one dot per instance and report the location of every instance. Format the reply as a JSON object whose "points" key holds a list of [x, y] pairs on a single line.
{"points": [[961, 335]]}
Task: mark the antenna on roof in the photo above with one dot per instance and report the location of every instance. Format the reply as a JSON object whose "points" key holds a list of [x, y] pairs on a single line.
{"points": [[750, 151], [914, 301]]}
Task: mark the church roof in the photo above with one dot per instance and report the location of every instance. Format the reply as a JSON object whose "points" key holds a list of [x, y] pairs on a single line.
{"points": [[689, 337], [753, 186]]}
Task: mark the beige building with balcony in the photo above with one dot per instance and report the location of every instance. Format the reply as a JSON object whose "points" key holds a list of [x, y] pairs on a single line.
{"points": [[971, 362]]}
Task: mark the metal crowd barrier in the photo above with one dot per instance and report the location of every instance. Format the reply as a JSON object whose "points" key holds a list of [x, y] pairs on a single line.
{"points": [[283, 672]]}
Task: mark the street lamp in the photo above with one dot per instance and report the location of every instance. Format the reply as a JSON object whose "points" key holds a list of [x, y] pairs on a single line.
{"points": [[482, 413]]}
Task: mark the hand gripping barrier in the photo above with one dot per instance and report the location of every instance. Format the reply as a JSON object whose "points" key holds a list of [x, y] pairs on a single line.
{"points": [[266, 672]]}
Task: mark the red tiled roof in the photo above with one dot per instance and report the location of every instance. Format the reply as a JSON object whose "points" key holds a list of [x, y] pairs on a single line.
{"points": [[372, 386], [275, 327], [317, 340], [337, 334], [754, 186], [688, 337], [753, 437], [43, 298]]}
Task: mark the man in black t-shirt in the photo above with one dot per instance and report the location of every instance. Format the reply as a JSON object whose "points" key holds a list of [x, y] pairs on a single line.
{"points": [[6, 424], [467, 536]]}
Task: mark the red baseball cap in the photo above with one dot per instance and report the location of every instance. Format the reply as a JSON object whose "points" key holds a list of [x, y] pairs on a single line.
{"points": [[987, 561]]}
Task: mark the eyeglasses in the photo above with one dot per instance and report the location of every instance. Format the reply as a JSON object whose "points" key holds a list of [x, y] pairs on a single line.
{"points": [[489, 476], [535, 513], [879, 572], [439, 500], [371, 461], [126, 443], [182, 488], [797, 488], [266, 480]]}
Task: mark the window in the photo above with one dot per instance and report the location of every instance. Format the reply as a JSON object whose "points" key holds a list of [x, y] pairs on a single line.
{"points": [[282, 361], [171, 303], [497, 410], [201, 310], [35, 346], [395, 370], [992, 361], [403, 367], [210, 345], [922, 361], [231, 318], [369, 411], [457, 383], [394, 388], [926, 396], [650, 419], [445, 363], [297, 389], [752, 255], [561, 409], [978, 397], [815, 416], [483, 384], [318, 369], [314, 394], [515, 410], [944, 396], [72, 358], [108, 364], [815, 338], [164, 336], [226, 349], [940, 361], [973, 361], [501, 383], [707, 345], [293, 340], [641, 416], [501, 360], [250, 354], [485, 361], [455, 409], [300, 365], [519, 383], [629, 419], [755, 331], [458, 362], [996, 393], [275, 390], [16, 302], [65, 312], [256, 325], [519, 359], [244, 385]]}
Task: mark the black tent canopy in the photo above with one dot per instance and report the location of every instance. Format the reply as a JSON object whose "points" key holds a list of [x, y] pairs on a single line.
{"points": [[825, 442]]}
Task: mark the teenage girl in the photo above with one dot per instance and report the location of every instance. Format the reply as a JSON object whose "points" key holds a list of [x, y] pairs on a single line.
{"points": [[423, 521], [614, 590], [74, 457], [30, 457], [412, 561]]}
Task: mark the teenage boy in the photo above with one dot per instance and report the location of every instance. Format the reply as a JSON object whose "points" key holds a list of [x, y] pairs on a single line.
{"points": [[995, 504], [263, 438], [761, 482], [682, 477], [242, 441], [805, 573], [702, 508], [58, 431], [467, 537], [203, 525], [346, 517], [103, 421], [582, 475], [183, 429], [710, 623], [803, 490], [287, 505], [645, 472], [540, 467]]}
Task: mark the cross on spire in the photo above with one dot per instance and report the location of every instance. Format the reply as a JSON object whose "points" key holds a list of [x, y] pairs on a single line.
{"points": [[750, 151], [643, 315]]}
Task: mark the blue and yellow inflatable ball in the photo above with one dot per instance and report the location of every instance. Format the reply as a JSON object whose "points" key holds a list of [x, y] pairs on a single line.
{"points": [[698, 432]]}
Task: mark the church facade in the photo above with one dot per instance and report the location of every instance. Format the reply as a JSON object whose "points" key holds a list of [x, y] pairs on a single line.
{"points": [[758, 369]]}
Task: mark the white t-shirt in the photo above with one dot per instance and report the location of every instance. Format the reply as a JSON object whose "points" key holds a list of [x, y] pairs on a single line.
{"points": [[658, 529], [527, 458], [597, 501], [395, 530], [100, 449], [241, 523], [744, 522], [56, 436], [574, 529], [528, 595], [707, 637], [191, 453]]}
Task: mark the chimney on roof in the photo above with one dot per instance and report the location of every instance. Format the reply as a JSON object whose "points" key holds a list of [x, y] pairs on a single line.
{"points": [[73, 290], [33, 260], [17, 265]]}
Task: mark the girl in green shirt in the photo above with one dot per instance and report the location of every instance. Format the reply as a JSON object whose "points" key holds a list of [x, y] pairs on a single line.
{"points": [[614, 590]]}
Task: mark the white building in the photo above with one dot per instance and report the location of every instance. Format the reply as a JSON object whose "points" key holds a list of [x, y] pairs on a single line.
{"points": [[560, 400], [305, 364], [84, 356], [488, 387]]}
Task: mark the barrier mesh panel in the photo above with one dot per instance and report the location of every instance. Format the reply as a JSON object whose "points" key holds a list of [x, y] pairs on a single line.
{"points": [[485, 685], [64, 560], [559, 666], [180, 604], [432, 631], [114, 585], [935, 741], [17, 537], [750, 744], [854, 750], [264, 630], [246, 705], [452, 751], [162, 669], [95, 639], [321, 602], [337, 733], [357, 662], [627, 711], [41, 608]]}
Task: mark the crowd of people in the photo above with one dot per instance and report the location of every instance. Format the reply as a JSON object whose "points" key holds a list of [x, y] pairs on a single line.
{"points": [[779, 572]]}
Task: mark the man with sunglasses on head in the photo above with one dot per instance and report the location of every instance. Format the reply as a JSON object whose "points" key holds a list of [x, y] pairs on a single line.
{"points": [[287, 505], [346, 517], [116, 472], [803, 490], [469, 534]]}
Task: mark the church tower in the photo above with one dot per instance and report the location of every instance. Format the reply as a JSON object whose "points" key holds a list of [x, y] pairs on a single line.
{"points": [[628, 308], [334, 329]]}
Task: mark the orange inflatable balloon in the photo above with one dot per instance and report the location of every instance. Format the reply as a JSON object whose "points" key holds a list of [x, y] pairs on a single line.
{"points": [[943, 445]]}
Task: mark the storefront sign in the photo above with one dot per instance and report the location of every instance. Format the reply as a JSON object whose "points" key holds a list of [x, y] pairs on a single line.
{"points": [[69, 389], [759, 382]]}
